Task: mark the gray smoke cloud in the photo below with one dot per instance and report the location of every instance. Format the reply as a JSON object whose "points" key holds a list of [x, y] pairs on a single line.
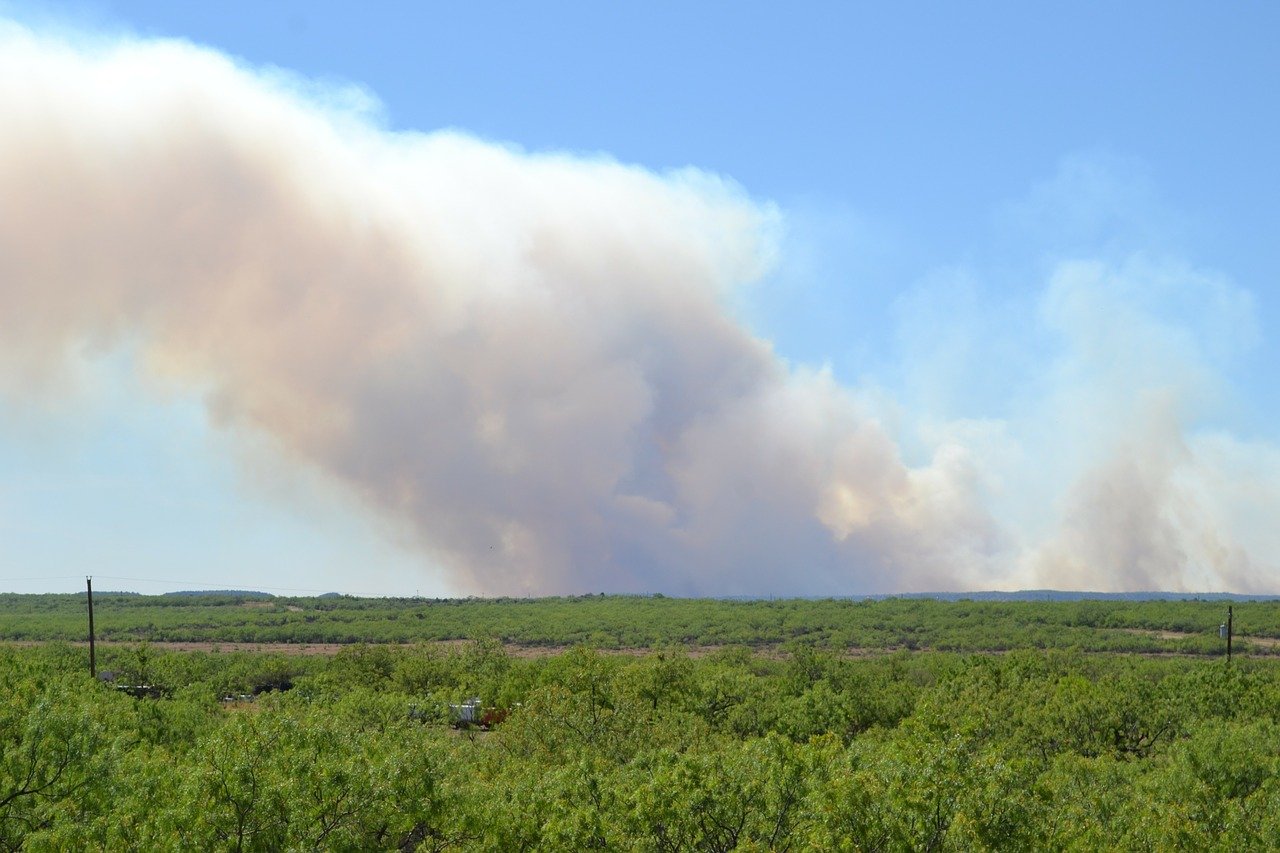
{"points": [[528, 362], [526, 358]]}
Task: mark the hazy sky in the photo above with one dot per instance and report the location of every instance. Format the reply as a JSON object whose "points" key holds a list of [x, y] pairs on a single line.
{"points": [[712, 298]]}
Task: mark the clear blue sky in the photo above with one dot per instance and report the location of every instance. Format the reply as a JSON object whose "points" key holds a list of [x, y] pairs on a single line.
{"points": [[933, 162]]}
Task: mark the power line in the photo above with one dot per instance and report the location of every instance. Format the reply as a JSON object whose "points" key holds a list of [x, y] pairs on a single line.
{"points": [[209, 585], [197, 584], [43, 578], [222, 585]]}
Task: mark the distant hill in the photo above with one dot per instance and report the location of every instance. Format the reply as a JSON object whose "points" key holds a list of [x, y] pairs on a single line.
{"points": [[224, 593]]}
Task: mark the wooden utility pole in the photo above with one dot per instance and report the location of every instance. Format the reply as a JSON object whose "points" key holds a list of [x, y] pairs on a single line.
{"points": [[93, 662], [1228, 633]]}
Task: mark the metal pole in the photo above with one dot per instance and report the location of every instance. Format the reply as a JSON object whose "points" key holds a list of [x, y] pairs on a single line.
{"points": [[1228, 633], [93, 661]]}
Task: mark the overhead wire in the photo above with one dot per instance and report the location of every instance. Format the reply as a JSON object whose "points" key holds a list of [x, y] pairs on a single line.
{"points": [[206, 585]]}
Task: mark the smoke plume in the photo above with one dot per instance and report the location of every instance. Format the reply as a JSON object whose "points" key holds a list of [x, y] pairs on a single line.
{"points": [[527, 360]]}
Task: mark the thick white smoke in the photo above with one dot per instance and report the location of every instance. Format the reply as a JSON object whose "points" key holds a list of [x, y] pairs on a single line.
{"points": [[526, 357]]}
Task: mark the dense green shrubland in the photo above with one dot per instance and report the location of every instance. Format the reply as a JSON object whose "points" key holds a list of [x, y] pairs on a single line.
{"points": [[644, 622], [661, 751]]}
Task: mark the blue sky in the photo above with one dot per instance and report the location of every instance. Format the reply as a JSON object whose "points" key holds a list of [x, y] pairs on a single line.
{"points": [[934, 167]]}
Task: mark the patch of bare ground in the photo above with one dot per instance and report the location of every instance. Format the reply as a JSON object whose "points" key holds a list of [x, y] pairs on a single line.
{"points": [[514, 649], [201, 646], [520, 650], [1268, 643], [1163, 635]]}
